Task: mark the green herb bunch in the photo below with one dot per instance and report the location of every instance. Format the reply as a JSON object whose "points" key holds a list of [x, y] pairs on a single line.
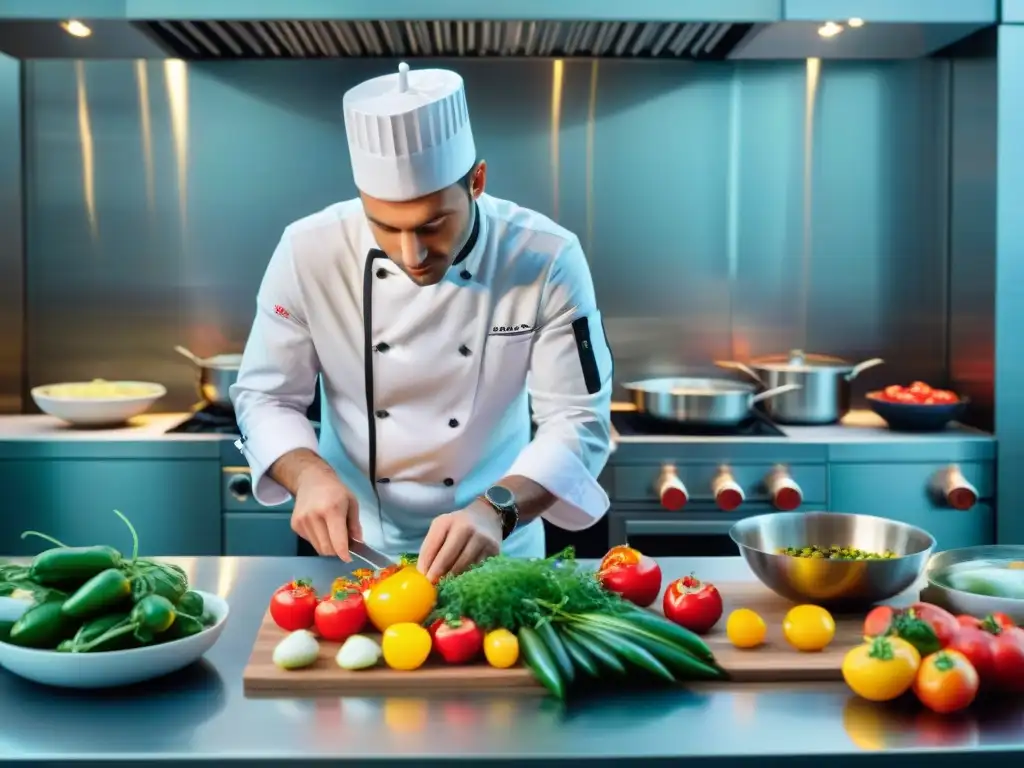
{"points": [[509, 593]]}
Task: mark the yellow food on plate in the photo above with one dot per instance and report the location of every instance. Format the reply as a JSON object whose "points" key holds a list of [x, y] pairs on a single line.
{"points": [[881, 669], [745, 628], [404, 597], [99, 389], [406, 646], [809, 628], [501, 648]]}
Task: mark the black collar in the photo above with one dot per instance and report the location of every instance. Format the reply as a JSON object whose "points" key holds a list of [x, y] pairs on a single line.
{"points": [[473, 235]]}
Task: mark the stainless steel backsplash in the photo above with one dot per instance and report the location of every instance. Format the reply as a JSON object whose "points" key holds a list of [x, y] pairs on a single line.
{"points": [[728, 210]]}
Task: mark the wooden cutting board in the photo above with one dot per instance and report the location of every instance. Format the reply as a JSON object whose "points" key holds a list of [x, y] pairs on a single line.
{"points": [[775, 661]]}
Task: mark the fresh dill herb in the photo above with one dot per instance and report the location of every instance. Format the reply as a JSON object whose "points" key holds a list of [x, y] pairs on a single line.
{"points": [[509, 592]]}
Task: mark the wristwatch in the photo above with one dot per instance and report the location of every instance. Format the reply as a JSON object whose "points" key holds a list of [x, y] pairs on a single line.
{"points": [[504, 503]]}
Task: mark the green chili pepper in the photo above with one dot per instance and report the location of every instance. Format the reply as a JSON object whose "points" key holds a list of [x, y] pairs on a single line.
{"points": [[183, 626], [75, 565], [43, 626], [151, 616], [103, 592], [5, 630], [191, 603], [96, 628]]}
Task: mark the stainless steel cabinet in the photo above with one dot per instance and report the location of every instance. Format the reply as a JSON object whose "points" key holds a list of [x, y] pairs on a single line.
{"points": [[173, 504]]}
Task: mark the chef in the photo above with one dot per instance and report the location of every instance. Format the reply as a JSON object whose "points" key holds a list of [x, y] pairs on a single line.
{"points": [[437, 318]]}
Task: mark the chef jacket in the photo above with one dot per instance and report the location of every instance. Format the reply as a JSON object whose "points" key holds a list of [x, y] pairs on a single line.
{"points": [[427, 392]]}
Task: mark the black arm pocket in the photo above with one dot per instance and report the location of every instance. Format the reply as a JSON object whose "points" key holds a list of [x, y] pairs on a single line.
{"points": [[585, 349]]}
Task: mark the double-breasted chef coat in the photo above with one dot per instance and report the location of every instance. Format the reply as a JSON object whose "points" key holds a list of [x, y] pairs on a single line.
{"points": [[427, 391]]}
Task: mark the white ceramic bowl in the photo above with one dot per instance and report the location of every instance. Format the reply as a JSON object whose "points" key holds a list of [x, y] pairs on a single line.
{"points": [[114, 668], [97, 411]]}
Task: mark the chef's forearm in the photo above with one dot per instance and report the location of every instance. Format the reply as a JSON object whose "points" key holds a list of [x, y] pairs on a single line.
{"points": [[532, 498], [290, 469]]}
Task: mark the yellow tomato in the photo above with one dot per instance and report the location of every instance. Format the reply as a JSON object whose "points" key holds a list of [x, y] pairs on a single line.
{"points": [[745, 629], [407, 596], [405, 646], [881, 669], [501, 648], [808, 627]]}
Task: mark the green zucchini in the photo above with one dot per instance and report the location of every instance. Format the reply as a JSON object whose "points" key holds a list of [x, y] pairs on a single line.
{"points": [[549, 635], [627, 649], [581, 658], [538, 659], [604, 655]]}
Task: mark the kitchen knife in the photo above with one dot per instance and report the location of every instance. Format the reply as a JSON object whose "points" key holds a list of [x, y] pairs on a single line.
{"points": [[366, 553]]}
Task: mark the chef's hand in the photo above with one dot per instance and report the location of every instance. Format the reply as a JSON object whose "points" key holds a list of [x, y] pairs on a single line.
{"points": [[326, 513], [457, 540]]}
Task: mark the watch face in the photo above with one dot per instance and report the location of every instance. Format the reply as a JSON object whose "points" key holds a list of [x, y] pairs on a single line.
{"points": [[500, 496]]}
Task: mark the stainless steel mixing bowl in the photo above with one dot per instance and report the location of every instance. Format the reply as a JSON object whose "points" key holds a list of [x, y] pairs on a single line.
{"points": [[848, 584]]}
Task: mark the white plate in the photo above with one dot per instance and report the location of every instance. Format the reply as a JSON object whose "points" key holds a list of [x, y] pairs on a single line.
{"points": [[114, 668], [97, 411]]}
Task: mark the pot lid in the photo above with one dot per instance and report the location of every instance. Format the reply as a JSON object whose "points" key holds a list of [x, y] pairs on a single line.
{"points": [[798, 361]]}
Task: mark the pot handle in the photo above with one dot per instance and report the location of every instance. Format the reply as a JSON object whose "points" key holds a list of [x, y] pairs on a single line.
{"points": [[773, 392], [861, 367], [733, 365], [189, 354]]}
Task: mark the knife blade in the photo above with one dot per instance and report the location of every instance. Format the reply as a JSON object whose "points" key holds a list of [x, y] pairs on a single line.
{"points": [[374, 558]]}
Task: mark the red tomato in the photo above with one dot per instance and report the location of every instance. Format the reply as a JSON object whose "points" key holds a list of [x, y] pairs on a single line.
{"points": [[920, 390], [457, 640], [631, 574], [977, 645], [908, 398], [944, 397], [340, 616], [1001, 620], [692, 604], [942, 621], [1008, 659], [946, 682], [879, 621], [893, 390], [293, 605]]}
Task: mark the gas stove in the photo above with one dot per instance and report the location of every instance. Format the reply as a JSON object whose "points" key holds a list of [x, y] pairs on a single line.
{"points": [[632, 424], [209, 419]]}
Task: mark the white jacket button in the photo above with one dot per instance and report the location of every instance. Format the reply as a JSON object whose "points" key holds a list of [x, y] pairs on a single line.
{"points": [[382, 347], [465, 351], [381, 414], [453, 423]]}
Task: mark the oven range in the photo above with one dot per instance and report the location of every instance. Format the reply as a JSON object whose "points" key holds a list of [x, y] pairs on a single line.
{"points": [[676, 490]]}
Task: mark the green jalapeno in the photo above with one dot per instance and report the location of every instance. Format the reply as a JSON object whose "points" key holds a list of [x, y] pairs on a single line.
{"points": [[5, 630], [43, 626], [100, 594], [152, 615], [63, 565], [191, 603], [155, 579], [183, 626], [96, 628]]}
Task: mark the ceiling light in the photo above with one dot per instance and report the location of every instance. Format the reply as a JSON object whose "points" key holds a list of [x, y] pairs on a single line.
{"points": [[76, 28], [830, 29], [855, 23]]}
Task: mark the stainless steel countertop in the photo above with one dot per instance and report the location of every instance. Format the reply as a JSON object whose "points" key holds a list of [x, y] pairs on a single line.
{"points": [[201, 715]]}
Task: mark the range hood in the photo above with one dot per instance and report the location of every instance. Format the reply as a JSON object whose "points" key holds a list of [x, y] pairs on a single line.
{"points": [[641, 29]]}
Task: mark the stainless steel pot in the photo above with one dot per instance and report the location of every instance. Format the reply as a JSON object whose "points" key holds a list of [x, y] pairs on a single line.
{"points": [[216, 375], [709, 402], [823, 396]]}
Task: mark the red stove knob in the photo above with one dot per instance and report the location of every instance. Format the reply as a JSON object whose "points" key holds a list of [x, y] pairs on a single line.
{"points": [[957, 490], [786, 494], [670, 490], [728, 493]]}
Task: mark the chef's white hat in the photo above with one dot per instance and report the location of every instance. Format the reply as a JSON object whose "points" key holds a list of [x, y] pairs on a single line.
{"points": [[409, 133]]}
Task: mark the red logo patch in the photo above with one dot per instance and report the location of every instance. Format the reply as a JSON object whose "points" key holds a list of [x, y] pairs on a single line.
{"points": [[279, 310]]}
